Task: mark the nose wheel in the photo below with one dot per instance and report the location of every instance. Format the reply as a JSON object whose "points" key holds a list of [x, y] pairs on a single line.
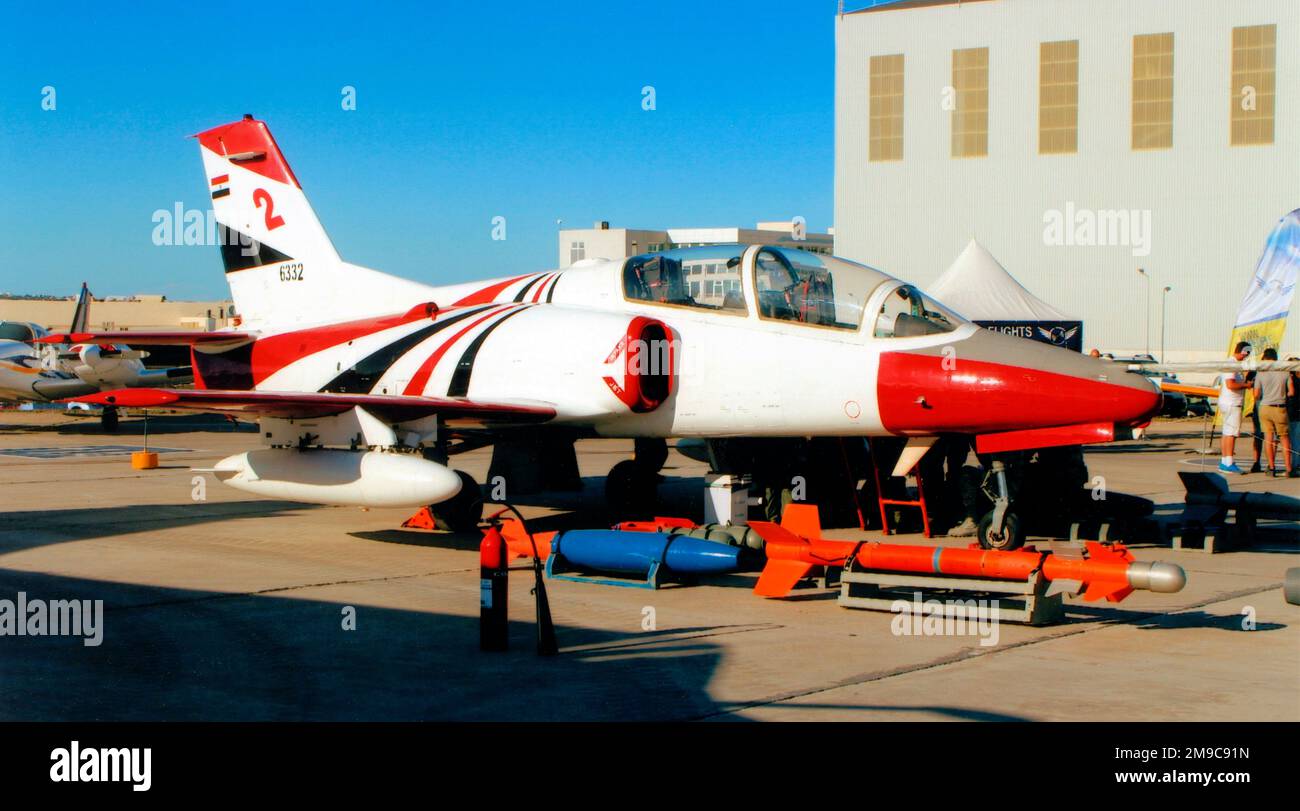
{"points": [[1000, 528], [1003, 540]]}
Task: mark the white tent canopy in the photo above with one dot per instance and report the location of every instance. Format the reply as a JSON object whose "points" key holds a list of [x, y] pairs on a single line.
{"points": [[980, 289]]}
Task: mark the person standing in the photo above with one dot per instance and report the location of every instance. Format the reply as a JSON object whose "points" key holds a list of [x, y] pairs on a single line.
{"points": [[1232, 395], [1293, 415], [1272, 392]]}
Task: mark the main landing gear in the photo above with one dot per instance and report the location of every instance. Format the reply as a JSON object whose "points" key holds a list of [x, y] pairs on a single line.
{"points": [[631, 486], [1000, 528], [462, 512]]}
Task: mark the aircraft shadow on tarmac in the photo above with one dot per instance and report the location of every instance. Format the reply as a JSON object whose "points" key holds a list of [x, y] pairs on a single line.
{"points": [[194, 655], [175, 654], [1157, 621], [31, 529], [135, 426]]}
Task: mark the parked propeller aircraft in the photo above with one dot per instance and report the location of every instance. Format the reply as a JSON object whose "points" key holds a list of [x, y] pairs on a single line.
{"points": [[47, 373], [365, 384]]}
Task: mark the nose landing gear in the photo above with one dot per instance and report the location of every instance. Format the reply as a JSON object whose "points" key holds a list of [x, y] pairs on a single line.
{"points": [[1000, 528]]}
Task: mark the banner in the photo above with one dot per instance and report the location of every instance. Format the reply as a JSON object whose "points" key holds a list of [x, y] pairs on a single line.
{"points": [[1067, 334], [1261, 320]]}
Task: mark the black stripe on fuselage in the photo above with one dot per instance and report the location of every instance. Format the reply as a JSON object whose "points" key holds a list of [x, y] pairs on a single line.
{"points": [[459, 386], [550, 294], [364, 374], [527, 287]]}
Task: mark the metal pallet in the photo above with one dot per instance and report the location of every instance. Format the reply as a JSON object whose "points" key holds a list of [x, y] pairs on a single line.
{"points": [[1025, 602]]}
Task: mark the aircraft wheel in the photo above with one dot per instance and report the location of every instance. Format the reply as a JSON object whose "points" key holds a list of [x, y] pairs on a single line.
{"points": [[630, 490], [108, 419], [463, 511], [1010, 537], [651, 453]]}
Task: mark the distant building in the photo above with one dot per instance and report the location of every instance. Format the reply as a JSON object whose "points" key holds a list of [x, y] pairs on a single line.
{"points": [[1078, 140], [115, 313], [603, 242]]}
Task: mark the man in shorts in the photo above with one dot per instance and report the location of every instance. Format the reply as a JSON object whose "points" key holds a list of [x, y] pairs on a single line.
{"points": [[1232, 395], [1272, 390]]}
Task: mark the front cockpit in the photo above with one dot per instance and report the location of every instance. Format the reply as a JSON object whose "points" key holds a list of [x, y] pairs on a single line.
{"points": [[785, 285]]}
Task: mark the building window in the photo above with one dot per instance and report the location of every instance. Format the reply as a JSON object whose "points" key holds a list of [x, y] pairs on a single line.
{"points": [[1058, 97], [1153, 91], [886, 108], [577, 252], [1254, 50], [970, 117]]}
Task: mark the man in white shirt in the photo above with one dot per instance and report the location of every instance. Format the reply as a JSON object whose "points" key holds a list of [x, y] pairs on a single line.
{"points": [[1232, 396]]}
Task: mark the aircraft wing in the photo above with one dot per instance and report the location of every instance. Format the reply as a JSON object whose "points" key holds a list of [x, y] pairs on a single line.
{"points": [[1221, 366], [1184, 388], [306, 405], [146, 338]]}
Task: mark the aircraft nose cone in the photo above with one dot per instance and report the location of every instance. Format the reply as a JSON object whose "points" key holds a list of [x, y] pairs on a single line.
{"points": [[989, 382]]}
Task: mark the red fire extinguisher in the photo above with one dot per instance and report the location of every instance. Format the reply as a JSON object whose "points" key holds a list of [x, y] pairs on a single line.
{"points": [[494, 573]]}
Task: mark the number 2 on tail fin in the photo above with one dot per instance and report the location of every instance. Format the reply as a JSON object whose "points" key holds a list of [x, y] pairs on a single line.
{"points": [[273, 220]]}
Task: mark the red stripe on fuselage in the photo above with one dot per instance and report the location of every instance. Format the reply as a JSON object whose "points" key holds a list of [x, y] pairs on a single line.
{"points": [[541, 288], [489, 293], [273, 353], [421, 377]]}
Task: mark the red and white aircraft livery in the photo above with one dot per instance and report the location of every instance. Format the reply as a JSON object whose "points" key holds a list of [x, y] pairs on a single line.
{"points": [[361, 379]]}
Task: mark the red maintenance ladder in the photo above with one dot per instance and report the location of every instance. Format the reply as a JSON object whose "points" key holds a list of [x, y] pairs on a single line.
{"points": [[899, 502]]}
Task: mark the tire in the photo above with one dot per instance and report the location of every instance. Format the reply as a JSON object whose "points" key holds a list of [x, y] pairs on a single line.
{"points": [[630, 491], [1010, 538], [463, 511], [108, 419], [651, 453]]}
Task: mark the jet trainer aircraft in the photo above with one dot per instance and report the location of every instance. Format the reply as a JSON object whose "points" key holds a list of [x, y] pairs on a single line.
{"points": [[365, 383], [47, 374]]}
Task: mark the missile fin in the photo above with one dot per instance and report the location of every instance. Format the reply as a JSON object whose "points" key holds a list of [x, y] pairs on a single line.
{"points": [[803, 520], [1112, 590], [779, 576]]}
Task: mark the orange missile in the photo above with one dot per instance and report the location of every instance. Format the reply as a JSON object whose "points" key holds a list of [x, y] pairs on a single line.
{"points": [[1098, 570]]}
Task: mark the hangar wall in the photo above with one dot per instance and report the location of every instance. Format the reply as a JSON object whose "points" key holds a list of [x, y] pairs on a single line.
{"points": [[1210, 204]]}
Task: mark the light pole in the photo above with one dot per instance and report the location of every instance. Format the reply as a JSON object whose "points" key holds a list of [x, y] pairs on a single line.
{"points": [[1163, 293], [1147, 276]]}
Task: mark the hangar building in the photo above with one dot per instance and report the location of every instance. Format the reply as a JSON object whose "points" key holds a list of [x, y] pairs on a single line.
{"points": [[1079, 141]]}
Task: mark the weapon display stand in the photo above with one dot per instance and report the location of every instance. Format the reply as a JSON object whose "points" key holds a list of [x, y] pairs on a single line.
{"points": [[1026, 602]]}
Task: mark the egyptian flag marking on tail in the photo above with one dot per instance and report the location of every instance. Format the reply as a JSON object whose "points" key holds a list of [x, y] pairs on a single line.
{"points": [[220, 186]]}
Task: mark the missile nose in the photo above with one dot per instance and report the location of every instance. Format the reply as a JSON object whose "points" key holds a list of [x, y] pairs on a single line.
{"points": [[1165, 578]]}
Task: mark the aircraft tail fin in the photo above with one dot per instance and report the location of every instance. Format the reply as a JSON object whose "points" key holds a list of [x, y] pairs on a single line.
{"points": [[81, 315], [280, 264]]}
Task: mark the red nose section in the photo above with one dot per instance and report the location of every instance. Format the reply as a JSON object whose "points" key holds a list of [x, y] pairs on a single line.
{"points": [[928, 393]]}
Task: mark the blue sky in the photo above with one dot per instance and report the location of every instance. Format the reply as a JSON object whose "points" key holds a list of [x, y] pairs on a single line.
{"points": [[465, 111]]}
